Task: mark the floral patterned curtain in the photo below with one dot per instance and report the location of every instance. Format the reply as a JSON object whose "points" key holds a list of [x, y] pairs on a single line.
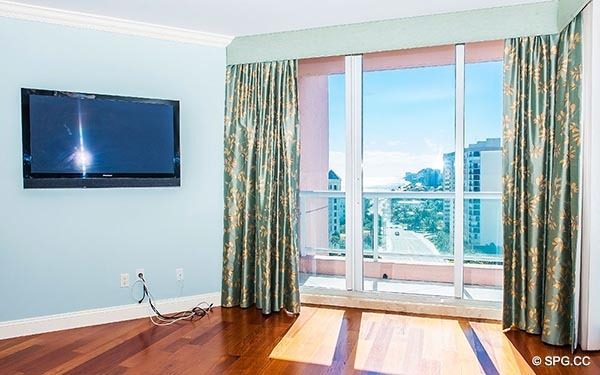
{"points": [[542, 90], [260, 245]]}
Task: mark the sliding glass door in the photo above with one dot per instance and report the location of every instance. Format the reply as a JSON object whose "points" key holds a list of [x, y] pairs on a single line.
{"points": [[482, 172], [387, 205], [408, 132]]}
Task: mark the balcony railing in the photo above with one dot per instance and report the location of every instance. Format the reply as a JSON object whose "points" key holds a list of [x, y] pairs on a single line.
{"points": [[402, 194], [390, 255], [378, 253]]}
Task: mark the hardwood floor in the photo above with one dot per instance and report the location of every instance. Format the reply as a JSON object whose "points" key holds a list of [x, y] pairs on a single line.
{"points": [[322, 340]]}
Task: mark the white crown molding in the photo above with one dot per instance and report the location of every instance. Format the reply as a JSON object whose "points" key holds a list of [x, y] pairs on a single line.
{"points": [[94, 22], [57, 322]]}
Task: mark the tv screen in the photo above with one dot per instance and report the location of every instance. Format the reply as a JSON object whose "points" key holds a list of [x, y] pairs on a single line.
{"points": [[89, 140]]}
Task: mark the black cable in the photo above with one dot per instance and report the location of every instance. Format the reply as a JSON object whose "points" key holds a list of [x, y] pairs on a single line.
{"points": [[196, 312]]}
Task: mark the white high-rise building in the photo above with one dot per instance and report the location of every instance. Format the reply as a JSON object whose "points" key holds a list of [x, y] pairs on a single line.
{"points": [[483, 163]]}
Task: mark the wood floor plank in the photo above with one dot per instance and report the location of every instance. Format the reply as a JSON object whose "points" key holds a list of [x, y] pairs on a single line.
{"points": [[51, 359], [119, 353], [12, 362], [188, 331], [529, 346], [17, 347], [397, 344], [319, 341], [118, 333], [8, 344], [106, 340], [345, 351], [506, 358], [58, 347], [312, 338]]}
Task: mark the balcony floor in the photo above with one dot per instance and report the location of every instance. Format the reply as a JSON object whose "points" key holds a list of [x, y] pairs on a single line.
{"points": [[472, 292]]}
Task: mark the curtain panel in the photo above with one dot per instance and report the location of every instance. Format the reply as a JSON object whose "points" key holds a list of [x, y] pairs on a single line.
{"points": [[541, 147], [260, 245]]}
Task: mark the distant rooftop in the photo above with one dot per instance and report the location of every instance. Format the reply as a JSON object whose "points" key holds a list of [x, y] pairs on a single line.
{"points": [[333, 175], [490, 144]]}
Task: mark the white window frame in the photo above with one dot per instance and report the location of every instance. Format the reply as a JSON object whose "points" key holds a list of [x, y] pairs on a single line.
{"points": [[354, 193], [459, 170], [590, 204], [354, 214]]}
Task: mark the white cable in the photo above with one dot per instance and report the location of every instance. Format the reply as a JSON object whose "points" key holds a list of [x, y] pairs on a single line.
{"points": [[166, 323], [161, 321]]}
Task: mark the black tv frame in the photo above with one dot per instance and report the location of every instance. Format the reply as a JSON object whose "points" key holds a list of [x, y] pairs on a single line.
{"points": [[95, 180]]}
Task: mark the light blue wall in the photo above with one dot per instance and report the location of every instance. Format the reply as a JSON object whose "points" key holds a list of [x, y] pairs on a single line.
{"points": [[63, 250]]}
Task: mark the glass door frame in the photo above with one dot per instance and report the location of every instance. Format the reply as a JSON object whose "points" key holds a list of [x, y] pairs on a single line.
{"points": [[354, 193], [354, 185], [354, 173]]}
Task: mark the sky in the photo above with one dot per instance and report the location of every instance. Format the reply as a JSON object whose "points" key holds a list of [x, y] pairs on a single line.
{"points": [[408, 118]]}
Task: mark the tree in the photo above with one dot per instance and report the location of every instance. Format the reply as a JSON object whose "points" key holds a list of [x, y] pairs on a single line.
{"points": [[335, 241], [423, 216]]}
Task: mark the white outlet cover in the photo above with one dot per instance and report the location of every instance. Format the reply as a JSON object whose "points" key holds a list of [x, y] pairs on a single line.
{"points": [[124, 280]]}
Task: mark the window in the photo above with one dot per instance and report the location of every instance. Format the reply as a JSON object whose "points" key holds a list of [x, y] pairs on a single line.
{"points": [[407, 146], [322, 173], [483, 150]]}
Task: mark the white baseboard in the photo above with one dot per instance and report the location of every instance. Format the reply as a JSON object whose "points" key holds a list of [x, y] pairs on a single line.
{"points": [[57, 322]]}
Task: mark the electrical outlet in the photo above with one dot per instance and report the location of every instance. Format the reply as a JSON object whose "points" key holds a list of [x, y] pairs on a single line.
{"points": [[124, 280], [179, 274], [138, 271]]}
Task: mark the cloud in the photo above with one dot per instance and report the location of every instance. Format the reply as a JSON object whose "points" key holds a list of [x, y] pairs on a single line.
{"points": [[382, 169]]}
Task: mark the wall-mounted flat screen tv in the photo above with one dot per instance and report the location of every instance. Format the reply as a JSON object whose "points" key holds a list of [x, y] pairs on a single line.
{"points": [[77, 140]]}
